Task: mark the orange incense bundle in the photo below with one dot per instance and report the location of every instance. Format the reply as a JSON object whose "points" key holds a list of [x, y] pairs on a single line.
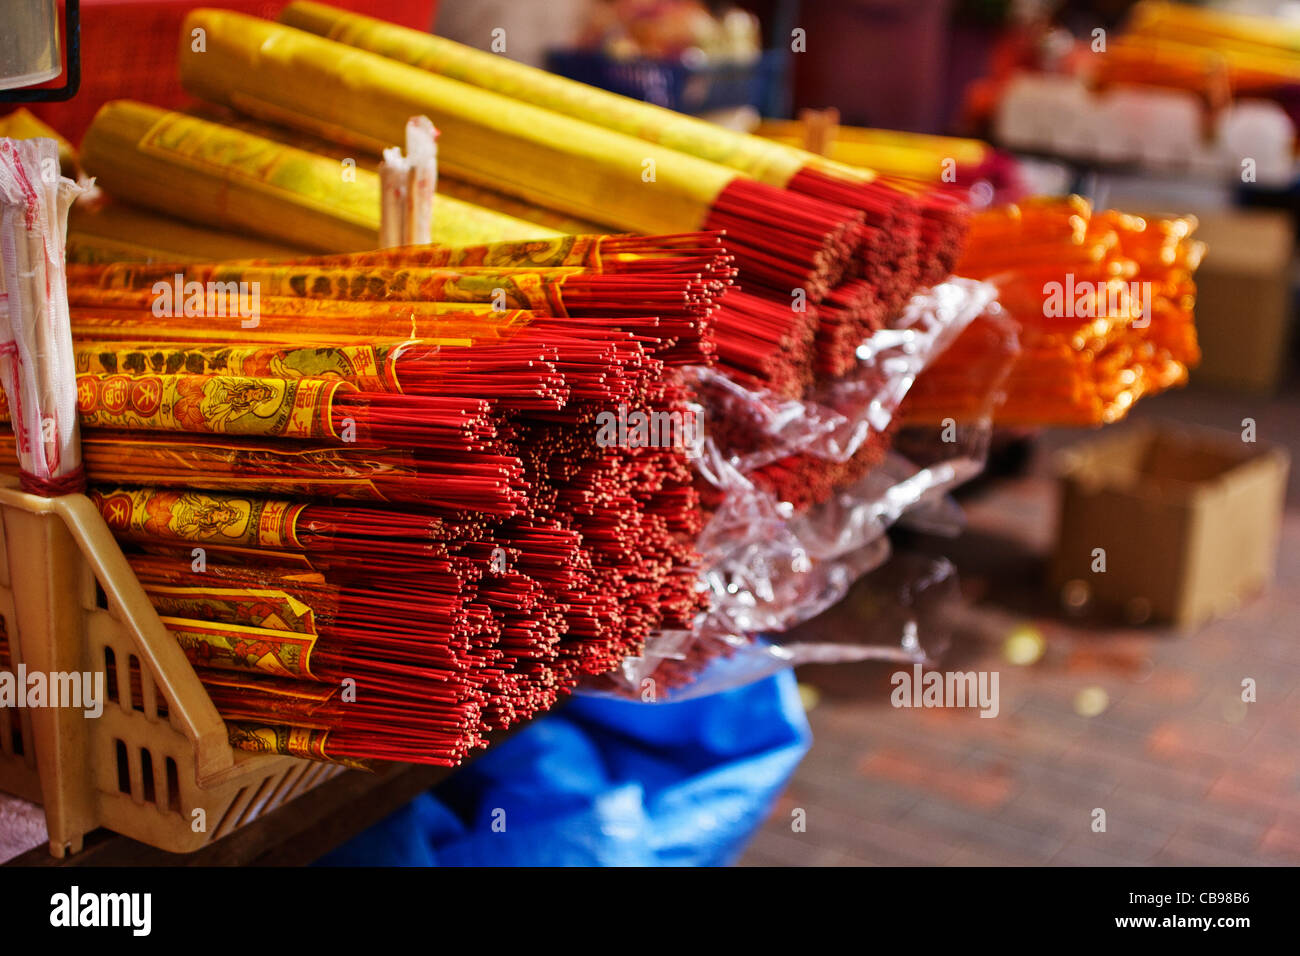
{"points": [[1104, 303]]}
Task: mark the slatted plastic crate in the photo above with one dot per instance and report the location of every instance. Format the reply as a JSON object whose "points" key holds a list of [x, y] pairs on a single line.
{"points": [[159, 752]]}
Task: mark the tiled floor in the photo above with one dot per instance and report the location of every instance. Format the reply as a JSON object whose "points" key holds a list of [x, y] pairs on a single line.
{"points": [[1184, 770]]}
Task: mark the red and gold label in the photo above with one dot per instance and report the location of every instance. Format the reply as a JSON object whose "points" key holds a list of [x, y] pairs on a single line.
{"points": [[368, 367], [231, 405], [285, 741], [251, 607], [233, 647], [153, 513]]}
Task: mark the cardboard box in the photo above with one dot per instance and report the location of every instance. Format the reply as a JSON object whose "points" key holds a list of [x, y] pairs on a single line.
{"points": [[1243, 299], [1187, 522]]}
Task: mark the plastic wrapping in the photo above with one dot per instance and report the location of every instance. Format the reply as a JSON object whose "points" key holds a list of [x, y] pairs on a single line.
{"points": [[902, 612], [770, 561], [749, 429], [36, 361]]}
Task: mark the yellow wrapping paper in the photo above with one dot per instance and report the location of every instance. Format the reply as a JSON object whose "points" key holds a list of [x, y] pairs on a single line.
{"points": [[316, 321], [887, 151], [1214, 53], [586, 251], [1214, 28], [468, 193], [768, 162], [215, 175], [297, 79], [513, 206], [118, 232], [514, 289], [266, 468], [257, 629]]}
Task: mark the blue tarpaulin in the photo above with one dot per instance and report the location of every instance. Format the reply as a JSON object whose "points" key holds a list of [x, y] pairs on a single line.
{"points": [[607, 782]]}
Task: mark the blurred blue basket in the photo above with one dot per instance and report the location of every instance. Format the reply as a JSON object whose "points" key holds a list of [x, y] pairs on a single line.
{"points": [[671, 83]]}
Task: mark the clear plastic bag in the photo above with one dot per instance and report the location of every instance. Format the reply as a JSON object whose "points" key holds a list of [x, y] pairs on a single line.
{"points": [[902, 612], [769, 563]]}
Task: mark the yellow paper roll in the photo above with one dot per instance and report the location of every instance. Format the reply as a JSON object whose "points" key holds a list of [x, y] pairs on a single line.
{"points": [[887, 151], [218, 176], [119, 232], [300, 80], [768, 162]]}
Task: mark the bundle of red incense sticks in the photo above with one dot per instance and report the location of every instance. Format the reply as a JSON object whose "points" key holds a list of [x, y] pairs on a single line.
{"points": [[387, 518]]}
